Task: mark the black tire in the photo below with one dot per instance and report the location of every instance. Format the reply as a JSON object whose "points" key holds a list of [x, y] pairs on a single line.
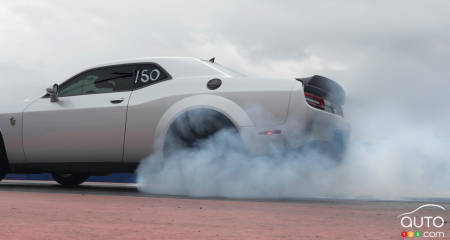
{"points": [[192, 128], [69, 180], [4, 165]]}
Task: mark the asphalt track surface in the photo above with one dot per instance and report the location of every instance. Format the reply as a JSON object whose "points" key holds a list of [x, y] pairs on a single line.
{"points": [[45, 210]]}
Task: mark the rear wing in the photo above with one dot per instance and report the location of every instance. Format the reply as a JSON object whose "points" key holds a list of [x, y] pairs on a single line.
{"points": [[324, 87]]}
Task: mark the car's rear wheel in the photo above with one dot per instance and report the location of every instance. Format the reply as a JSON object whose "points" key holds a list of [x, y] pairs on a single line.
{"points": [[194, 127], [70, 180]]}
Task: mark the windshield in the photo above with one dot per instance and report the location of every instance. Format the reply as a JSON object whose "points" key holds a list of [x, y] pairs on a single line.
{"points": [[224, 69]]}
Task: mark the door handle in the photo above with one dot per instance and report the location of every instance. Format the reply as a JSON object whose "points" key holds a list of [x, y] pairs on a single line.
{"points": [[116, 101]]}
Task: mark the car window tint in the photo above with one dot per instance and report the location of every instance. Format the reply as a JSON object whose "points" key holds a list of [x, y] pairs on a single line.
{"points": [[149, 74], [74, 87], [104, 80]]}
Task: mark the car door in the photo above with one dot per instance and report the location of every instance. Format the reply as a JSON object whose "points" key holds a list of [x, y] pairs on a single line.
{"points": [[86, 124], [149, 101]]}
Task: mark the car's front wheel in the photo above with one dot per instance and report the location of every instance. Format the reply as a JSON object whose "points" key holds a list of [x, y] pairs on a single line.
{"points": [[70, 180]]}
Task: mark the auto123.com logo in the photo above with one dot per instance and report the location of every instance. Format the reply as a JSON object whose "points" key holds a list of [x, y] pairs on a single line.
{"points": [[418, 225]]}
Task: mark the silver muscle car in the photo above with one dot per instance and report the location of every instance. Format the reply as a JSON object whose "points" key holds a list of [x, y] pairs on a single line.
{"points": [[108, 118]]}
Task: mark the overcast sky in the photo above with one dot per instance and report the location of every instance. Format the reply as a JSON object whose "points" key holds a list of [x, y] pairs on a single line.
{"points": [[392, 57]]}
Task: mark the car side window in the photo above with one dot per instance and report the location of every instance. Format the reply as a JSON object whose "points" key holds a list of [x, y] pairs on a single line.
{"points": [[149, 74], [103, 80]]}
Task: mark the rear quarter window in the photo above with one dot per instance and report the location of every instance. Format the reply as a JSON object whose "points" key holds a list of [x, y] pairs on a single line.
{"points": [[149, 74]]}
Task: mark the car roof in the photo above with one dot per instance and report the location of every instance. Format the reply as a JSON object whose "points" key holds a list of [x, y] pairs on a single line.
{"points": [[143, 60], [176, 66]]}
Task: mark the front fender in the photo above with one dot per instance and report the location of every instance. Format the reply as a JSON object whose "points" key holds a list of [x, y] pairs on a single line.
{"points": [[12, 137]]}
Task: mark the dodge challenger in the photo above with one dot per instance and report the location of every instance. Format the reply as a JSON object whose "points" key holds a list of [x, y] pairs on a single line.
{"points": [[106, 119]]}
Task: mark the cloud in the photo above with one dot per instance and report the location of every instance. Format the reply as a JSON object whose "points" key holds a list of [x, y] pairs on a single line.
{"points": [[391, 57]]}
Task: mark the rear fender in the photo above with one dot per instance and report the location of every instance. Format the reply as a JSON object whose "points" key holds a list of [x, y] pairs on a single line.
{"points": [[231, 110]]}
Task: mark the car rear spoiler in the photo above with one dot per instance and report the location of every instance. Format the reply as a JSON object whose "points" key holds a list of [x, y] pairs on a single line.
{"points": [[324, 87]]}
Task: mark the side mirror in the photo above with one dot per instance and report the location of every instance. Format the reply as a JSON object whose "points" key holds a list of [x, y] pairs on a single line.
{"points": [[53, 92]]}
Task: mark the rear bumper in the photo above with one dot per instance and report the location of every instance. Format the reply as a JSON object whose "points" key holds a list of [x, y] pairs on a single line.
{"points": [[305, 126], [323, 126], [325, 131]]}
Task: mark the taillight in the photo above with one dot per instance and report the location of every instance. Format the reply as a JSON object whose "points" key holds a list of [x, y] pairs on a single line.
{"points": [[315, 101]]}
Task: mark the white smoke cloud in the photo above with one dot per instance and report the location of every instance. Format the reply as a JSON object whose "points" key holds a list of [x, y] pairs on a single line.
{"points": [[404, 165]]}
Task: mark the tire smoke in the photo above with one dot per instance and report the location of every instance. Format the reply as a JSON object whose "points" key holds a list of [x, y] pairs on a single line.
{"points": [[405, 165]]}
